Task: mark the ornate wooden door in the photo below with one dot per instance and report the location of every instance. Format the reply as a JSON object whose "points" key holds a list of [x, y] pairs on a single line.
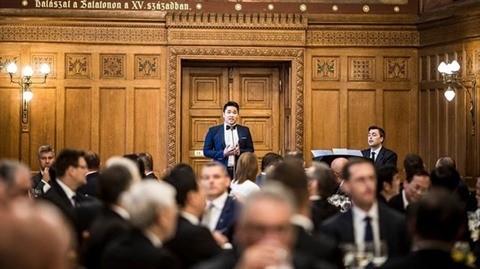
{"points": [[206, 89]]}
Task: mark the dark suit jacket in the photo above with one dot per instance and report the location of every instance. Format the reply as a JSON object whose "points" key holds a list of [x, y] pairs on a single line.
{"points": [[396, 202], [80, 216], [192, 243], [228, 217], [322, 210], [392, 229], [134, 250], [385, 156], [425, 259], [107, 227], [91, 188], [229, 259], [215, 142], [37, 179], [320, 246]]}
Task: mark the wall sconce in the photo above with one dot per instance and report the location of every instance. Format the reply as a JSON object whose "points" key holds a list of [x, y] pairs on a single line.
{"points": [[450, 79], [25, 81]]}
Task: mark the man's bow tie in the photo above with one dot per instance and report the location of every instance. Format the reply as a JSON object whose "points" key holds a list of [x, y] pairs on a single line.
{"points": [[231, 127]]}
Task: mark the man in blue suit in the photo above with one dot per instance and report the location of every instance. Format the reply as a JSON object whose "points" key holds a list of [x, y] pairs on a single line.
{"points": [[222, 209], [225, 142]]}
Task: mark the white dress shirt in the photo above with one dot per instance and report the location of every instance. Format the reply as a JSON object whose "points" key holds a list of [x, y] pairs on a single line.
{"points": [[359, 223], [120, 211], [404, 198], [190, 218], [70, 194], [46, 185], [377, 151], [156, 242], [215, 208], [231, 139]]}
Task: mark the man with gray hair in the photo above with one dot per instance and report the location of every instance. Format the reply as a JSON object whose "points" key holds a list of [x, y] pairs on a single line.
{"points": [[153, 213], [265, 235], [16, 177], [46, 160]]}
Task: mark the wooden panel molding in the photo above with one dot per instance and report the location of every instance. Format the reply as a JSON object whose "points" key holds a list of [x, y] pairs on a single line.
{"points": [[396, 68], [95, 32], [176, 54], [361, 68], [112, 65], [365, 36], [147, 66], [44, 58]]}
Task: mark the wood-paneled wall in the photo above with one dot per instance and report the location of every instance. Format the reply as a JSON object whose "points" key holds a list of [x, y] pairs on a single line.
{"points": [[94, 100], [350, 89]]}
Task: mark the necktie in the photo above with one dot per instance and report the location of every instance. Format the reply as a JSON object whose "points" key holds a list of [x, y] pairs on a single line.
{"points": [[368, 230], [231, 127], [373, 155], [74, 201], [207, 216]]}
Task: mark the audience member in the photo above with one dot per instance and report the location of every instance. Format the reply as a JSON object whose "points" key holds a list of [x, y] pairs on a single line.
{"points": [[46, 160], [34, 236], [245, 175], [93, 164], [127, 163], [367, 221], [266, 236], [16, 179], [192, 243], [113, 221], [461, 189], [376, 151], [292, 176], [296, 157], [138, 161], [322, 184], [337, 167], [435, 222], [412, 164], [413, 189], [71, 168], [148, 163], [153, 213], [388, 182], [221, 209], [270, 159]]}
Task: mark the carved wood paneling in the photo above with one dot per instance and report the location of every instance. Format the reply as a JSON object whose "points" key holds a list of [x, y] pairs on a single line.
{"points": [[396, 68], [361, 114], [112, 66], [147, 66], [296, 56], [78, 65], [44, 58], [361, 68], [362, 36], [78, 118], [68, 32], [10, 122], [325, 112], [112, 120], [325, 68]]}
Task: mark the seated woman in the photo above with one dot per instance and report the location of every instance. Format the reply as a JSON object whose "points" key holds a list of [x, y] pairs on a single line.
{"points": [[245, 175]]}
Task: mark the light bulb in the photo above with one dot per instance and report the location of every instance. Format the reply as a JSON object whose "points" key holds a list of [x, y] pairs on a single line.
{"points": [[45, 69], [448, 70], [12, 68], [27, 71], [27, 95], [449, 94], [442, 67], [454, 66]]}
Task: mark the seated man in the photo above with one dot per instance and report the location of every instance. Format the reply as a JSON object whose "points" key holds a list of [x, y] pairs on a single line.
{"points": [[270, 159], [368, 220], [221, 210], [436, 221], [113, 221], [377, 152], [388, 182], [46, 161], [192, 243], [413, 189], [153, 214], [265, 235], [71, 168]]}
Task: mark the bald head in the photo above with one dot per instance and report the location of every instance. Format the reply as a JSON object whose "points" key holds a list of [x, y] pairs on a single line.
{"points": [[26, 237], [337, 166]]}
